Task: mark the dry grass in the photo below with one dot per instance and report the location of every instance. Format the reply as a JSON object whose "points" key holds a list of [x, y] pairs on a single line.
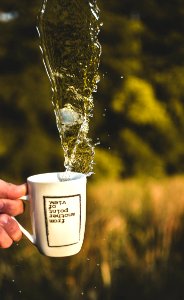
{"points": [[134, 222], [134, 237]]}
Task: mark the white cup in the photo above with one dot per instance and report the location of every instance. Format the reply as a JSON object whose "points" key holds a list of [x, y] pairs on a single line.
{"points": [[58, 212]]}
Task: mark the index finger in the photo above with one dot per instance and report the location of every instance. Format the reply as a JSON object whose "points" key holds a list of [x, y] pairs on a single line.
{"points": [[12, 191]]}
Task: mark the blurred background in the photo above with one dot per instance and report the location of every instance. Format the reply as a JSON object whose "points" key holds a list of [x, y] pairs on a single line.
{"points": [[134, 242]]}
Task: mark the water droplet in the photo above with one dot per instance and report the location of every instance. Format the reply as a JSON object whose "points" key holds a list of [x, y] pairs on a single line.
{"points": [[122, 76], [103, 115], [87, 258], [13, 280], [82, 293], [20, 292]]}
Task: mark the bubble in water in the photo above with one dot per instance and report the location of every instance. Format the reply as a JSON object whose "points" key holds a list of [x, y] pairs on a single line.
{"points": [[69, 116]]}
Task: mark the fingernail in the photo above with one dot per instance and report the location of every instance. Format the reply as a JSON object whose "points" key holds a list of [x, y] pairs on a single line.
{"points": [[22, 188]]}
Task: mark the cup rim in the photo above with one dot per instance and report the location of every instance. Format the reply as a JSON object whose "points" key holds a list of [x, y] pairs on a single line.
{"points": [[55, 177]]}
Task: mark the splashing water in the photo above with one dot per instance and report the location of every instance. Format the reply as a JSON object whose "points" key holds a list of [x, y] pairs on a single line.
{"points": [[68, 31]]}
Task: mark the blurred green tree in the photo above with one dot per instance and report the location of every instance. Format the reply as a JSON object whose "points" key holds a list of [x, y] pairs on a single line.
{"points": [[29, 140], [139, 100], [143, 48]]}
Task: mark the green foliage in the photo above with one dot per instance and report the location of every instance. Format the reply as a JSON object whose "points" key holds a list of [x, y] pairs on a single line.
{"points": [[107, 165], [137, 102], [29, 139], [141, 89], [141, 160], [141, 61], [142, 112]]}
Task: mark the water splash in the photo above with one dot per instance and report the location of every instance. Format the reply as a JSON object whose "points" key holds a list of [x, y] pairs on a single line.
{"points": [[68, 31]]}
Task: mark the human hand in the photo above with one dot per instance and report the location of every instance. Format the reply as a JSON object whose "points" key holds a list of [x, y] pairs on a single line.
{"points": [[10, 205]]}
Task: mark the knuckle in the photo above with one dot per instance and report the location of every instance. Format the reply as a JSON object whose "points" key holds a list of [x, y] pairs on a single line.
{"points": [[4, 219], [9, 231], [11, 207], [13, 230], [17, 207]]}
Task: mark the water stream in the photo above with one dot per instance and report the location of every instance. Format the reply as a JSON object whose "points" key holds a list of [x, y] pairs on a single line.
{"points": [[68, 31]]}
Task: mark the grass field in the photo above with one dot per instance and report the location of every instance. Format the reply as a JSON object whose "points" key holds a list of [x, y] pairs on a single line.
{"points": [[138, 226], [133, 248]]}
